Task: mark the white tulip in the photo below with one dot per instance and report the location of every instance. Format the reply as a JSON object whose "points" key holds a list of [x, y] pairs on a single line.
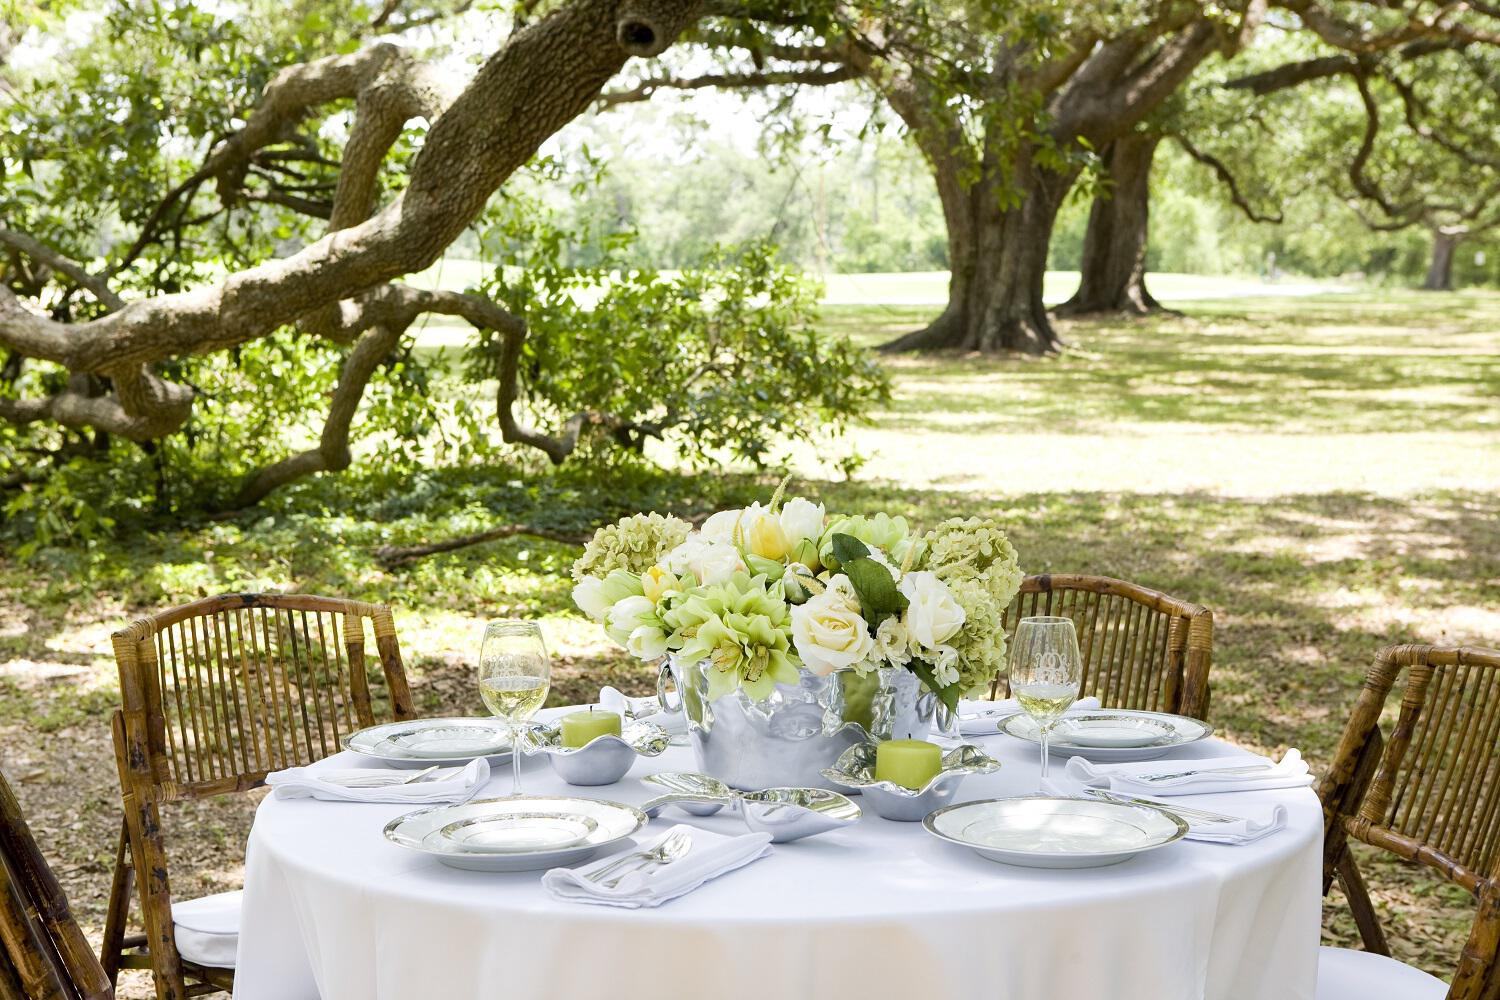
{"points": [[647, 642], [932, 616], [802, 519], [627, 615], [708, 562], [830, 634], [588, 594]]}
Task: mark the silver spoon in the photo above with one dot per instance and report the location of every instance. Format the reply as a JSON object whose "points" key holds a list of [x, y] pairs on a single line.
{"points": [[669, 850]]}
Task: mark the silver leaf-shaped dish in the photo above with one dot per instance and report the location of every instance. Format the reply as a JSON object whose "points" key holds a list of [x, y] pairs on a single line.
{"points": [[856, 769]]}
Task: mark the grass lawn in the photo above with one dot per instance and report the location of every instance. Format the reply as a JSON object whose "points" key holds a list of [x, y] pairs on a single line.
{"points": [[1323, 471]]}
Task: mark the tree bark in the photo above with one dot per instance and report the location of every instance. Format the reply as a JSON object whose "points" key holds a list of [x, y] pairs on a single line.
{"points": [[997, 259], [1113, 269], [1440, 268]]}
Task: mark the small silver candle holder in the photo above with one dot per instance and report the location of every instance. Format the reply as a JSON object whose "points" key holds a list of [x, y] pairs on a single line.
{"points": [[856, 769], [605, 759]]}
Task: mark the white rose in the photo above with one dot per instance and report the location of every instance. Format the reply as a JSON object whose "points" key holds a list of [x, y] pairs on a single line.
{"points": [[892, 643], [709, 562], [932, 616], [647, 642], [627, 615], [829, 633], [588, 594], [801, 519]]}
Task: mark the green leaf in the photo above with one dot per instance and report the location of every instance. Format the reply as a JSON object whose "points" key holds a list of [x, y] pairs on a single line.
{"points": [[847, 548], [948, 695], [877, 591]]}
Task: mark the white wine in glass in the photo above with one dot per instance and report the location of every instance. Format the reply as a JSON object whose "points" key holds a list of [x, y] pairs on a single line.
{"points": [[514, 675], [1045, 671]]}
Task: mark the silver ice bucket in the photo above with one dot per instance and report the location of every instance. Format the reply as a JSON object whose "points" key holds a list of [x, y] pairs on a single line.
{"points": [[787, 739]]}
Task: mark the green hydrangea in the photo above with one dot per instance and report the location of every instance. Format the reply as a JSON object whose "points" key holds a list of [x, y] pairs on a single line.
{"points": [[633, 544], [976, 560], [888, 534]]}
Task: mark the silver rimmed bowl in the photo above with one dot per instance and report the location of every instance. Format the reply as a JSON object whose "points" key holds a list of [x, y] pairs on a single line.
{"points": [[1043, 831], [604, 759], [856, 769], [451, 741], [518, 833], [787, 814]]}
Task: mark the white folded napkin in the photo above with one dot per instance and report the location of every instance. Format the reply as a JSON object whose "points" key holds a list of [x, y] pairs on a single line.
{"points": [[989, 713], [1259, 824], [1128, 779], [712, 855], [612, 700], [322, 783], [1253, 824]]}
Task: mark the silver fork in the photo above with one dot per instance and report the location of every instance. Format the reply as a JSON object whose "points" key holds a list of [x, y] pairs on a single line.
{"points": [[1245, 769], [381, 780], [669, 850]]}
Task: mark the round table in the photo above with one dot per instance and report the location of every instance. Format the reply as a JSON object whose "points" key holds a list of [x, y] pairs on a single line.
{"points": [[882, 909]]}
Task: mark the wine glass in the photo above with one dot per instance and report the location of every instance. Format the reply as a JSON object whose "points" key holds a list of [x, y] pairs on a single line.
{"points": [[1045, 672], [514, 675]]}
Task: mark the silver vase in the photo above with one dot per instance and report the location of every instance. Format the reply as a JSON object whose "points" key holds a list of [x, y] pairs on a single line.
{"points": [[787, 739]]}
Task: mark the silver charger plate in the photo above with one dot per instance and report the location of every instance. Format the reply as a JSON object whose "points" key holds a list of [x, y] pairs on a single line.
{"points": [[1036, 831], [435, 831], [1182, 730], [381, 742]]}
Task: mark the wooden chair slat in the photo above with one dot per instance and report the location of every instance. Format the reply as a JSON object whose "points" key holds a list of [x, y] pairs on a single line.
{"points": [[1141, 649], [215, 694], [1428, 792]]}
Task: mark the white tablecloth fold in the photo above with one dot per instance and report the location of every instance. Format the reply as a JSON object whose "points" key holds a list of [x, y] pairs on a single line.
{"points": [[323, 783], [987, 714], [612, 700], [1130, 779], [712, 855]]}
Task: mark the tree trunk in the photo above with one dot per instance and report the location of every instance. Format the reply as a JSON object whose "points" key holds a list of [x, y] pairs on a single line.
{"points": [[1113, 269], [997, 259], [1440, 270]]}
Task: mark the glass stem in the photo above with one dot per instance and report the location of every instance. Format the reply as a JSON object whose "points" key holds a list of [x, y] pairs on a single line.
{"points": [[515, 759], [1046, 734]]}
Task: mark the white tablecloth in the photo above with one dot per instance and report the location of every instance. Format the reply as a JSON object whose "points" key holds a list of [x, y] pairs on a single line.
{"points": [[333, 910]]}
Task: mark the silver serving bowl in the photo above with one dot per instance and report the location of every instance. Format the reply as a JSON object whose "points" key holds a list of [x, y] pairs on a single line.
{"points": [[604, 759], [856, 769], [787, 814]]}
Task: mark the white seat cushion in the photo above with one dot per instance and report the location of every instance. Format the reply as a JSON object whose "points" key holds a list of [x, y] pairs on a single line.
{"points": [[1345, 974], [208, 929]]}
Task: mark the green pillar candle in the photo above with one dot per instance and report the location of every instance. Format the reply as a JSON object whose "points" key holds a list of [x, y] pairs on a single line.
{"points": [[908, 763], [580, 728]]}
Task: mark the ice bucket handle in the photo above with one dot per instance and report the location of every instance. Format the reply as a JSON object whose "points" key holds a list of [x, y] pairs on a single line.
{"points": [[663, 677]]}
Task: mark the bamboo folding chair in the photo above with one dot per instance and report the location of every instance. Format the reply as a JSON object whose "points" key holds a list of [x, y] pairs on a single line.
{"points": [[216, 694], [1430, 794], [1141, 648], [43, 954]]}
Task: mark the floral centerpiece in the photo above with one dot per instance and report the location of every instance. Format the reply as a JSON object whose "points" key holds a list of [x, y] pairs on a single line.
{"points": [[762, 593]]}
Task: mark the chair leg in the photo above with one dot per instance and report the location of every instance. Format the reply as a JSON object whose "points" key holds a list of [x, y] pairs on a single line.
{"points": [[111, 950], [1358, 896]]}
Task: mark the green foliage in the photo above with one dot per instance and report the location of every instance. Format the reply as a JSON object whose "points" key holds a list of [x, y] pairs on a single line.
{"points": [[720, 358]]}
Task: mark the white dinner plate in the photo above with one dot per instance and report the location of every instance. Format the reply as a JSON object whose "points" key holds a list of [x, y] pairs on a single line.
{"points": [[517, 833], [502, 826], [1181, 730], [423, 742], [1112, 729], [1037, 831]]}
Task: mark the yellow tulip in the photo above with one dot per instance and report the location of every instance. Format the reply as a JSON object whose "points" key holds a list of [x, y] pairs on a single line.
{"points": [[767, 540], [655, 582]]}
